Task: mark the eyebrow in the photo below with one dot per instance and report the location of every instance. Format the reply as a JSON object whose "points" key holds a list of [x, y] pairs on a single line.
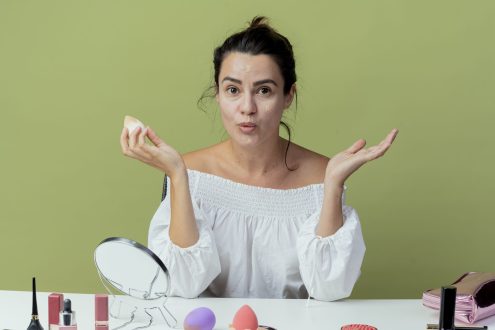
{"points": [[256, 83]]}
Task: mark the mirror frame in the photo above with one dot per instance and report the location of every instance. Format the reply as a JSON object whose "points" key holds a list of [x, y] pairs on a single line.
{"points": [[142, 248]]}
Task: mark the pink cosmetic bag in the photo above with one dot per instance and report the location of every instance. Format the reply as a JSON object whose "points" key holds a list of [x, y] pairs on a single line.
{"points": [[475, 298]]}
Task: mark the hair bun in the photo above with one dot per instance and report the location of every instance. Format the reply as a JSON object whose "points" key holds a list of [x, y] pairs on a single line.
{"points": [[259, 21]]}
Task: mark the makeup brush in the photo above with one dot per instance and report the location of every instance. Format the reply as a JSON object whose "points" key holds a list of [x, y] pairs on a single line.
{"points": [[35, 322]]}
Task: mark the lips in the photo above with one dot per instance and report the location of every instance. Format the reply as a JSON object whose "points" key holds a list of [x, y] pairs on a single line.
{"points": [[247, 127], [247, 124]]}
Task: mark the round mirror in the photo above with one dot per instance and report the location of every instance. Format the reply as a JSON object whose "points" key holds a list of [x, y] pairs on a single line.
{"points": [[132, 268]]}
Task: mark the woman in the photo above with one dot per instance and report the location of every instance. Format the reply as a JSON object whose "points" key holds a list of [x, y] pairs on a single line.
{"points": [[255, 215]]}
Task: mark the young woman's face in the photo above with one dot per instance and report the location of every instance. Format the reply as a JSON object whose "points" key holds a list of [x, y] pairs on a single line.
{"points": [[251, 97]]}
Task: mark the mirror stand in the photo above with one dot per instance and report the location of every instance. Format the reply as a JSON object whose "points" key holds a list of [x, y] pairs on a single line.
{"points": [[132, 269]]}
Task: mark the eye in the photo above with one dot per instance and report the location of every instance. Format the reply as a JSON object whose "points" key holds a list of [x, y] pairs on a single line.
{"points": [[232, 90], [264, 90]]}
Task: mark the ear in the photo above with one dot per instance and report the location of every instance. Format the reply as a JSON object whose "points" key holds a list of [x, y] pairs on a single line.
{"points": [[290, 96]]}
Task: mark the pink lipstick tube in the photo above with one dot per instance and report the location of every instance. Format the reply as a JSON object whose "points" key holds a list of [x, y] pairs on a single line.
{"points": [[101, 312], [55, 306]]}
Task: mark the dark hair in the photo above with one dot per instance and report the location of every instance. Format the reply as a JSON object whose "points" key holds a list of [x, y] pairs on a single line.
{"points": [[260, 38]]}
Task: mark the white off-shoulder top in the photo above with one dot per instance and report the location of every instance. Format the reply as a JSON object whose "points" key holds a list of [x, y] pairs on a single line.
{"points": [[258, 242]]}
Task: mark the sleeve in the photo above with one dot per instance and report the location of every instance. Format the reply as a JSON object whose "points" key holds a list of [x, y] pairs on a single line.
{"points": [[330, 266], [191, 269]]}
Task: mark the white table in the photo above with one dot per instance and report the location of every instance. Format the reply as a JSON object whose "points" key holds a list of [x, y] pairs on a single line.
{"points": [[282, 314]]}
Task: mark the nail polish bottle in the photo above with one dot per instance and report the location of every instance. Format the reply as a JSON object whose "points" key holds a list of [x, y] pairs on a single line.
{"points": [[67, 317]]}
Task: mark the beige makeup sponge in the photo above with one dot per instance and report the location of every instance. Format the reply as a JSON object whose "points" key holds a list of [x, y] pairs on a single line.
{"points": [[132, 123]]}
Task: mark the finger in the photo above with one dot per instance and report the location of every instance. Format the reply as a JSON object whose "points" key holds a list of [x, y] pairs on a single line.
{"points": [[377, 151], [139, 148], [392, 135], [123, 140], [358, 145], [141, 137], [150, 150], [389, 139], [154, 138], [141, 154], [385, 144], [380, 149], [133, 137]]}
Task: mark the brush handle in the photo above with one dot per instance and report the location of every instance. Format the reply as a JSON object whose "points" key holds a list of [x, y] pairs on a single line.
{"points": [[35, 303]]}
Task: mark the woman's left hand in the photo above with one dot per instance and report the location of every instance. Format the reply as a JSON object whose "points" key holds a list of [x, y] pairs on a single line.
{"points": [[343, 164]]}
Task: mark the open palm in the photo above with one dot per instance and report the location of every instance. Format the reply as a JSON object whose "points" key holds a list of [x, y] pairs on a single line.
{"points": [[343, 164]]}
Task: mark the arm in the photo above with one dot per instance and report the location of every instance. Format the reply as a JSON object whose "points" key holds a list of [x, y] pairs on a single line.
{"points": [[339, 168], [331, 265], [183, 229], [178, 234], [192, 269], [331, 246], [331, 218]]}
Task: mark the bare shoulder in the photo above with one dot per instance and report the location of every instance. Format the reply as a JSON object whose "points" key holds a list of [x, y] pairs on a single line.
{"points": [[202, 159], [310, 166]]}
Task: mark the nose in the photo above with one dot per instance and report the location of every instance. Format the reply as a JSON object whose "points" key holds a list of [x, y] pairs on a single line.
{"points": [[248, 105]]}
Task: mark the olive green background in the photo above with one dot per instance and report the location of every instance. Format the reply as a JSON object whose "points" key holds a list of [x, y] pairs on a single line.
{"points": [[71, 70]]}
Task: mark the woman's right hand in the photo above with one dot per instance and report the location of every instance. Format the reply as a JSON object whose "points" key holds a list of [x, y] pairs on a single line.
{"points": [[159, 154]]}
